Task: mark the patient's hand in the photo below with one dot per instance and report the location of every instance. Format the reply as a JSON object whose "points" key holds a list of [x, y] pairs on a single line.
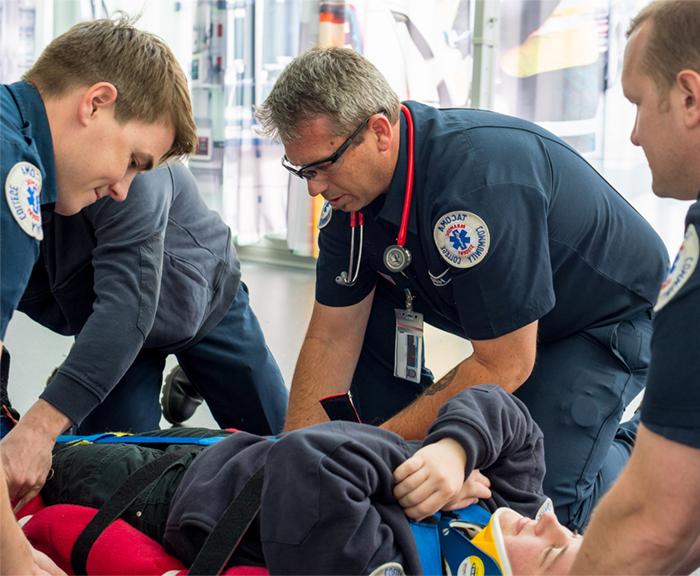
{"points": [[476, 487], [431, 479]]}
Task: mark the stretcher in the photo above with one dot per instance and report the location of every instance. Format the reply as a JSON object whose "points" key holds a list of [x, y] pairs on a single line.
{"points": [[120, 550], [85, 540]]}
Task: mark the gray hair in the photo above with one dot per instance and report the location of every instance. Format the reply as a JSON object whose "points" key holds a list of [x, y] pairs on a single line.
{"points": [[334, 82]]}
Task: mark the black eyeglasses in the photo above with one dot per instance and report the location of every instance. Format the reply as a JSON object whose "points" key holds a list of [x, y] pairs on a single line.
{"points": [[309, 171]]}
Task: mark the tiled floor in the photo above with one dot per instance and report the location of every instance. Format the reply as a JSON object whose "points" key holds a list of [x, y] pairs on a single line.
{"points": [[282, 298]]}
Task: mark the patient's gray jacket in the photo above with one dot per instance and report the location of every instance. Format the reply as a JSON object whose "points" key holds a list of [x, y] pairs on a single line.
{"points": [[156, 271], [327, 501]]}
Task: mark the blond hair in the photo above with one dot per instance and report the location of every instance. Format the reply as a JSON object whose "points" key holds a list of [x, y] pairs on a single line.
{"points": [[151, 85], [674, 42], [334, 82]]}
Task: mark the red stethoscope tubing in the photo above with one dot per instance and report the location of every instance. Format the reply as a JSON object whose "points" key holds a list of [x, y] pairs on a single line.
{"points": [[408, 194], [406, 213], [357, 219]]}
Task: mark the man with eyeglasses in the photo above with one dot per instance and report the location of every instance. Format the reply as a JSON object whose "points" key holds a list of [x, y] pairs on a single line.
{"points": [[485, 226]]}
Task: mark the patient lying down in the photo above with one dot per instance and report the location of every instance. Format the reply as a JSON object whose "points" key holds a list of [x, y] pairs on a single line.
{"points": [[337, 497]]}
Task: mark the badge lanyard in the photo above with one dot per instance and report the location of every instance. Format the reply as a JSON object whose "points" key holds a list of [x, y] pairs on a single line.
{"points": [[408, 342]]}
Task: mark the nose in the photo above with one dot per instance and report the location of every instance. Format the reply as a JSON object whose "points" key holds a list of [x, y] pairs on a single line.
{"points": [[315, 186], [633, 135], [549, 526], [120, 190]]}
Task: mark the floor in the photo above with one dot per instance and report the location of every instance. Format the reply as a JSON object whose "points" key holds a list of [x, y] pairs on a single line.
{"points": [[282, 297]]}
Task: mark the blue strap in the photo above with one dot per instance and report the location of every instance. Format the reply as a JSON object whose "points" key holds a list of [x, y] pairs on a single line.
{"points": [[109, 438], [428, 544]]}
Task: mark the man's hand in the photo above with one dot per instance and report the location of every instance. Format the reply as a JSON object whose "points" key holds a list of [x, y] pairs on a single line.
{"points": [[431, 478], [43, 565], [327, 360], [26, 451], [17, 556]]}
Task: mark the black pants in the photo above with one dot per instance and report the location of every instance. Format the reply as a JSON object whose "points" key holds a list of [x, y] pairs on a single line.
{"points": [[88, 474]]}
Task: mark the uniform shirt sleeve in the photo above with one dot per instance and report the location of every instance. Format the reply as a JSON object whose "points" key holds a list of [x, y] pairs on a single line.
{"points": [[334, 256], [18, 250], [501, 440], [127, 262], [511, 285], [671, 405]]}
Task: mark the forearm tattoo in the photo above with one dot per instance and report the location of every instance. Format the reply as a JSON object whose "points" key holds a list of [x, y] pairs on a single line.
{"points": [[441, 384]]}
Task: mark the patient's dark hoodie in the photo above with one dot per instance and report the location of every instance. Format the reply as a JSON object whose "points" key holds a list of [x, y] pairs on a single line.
{"points": [[327, 501]]}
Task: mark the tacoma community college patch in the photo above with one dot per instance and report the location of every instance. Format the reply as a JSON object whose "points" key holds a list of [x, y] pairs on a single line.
{"points": [[462, 238], [23, 194]]}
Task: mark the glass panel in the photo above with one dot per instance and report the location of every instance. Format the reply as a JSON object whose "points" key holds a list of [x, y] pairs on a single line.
{"points": [[558, 64]]}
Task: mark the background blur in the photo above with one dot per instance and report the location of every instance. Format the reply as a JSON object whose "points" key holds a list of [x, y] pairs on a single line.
{"points": [[555, 62]]}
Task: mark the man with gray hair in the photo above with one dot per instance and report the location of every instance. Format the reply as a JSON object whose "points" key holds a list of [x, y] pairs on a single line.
{"points": [[486, 226], [648, 523]]}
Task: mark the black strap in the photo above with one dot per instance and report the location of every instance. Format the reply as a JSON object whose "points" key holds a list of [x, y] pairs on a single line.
{"points": [[230, 529], [135, 484]]}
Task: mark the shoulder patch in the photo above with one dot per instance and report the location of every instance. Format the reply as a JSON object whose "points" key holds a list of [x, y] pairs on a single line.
{"points": [[682, 269], [23, 194], [326, 214], [389, 569], [462, 238]]}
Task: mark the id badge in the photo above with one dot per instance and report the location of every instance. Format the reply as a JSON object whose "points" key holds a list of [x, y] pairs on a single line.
{"points": [[408, 349]]}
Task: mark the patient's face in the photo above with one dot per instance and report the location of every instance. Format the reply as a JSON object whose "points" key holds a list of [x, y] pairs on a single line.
{"points": [[538, 546]]}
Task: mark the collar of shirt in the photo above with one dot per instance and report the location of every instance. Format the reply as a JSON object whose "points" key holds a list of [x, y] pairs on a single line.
{"points": [[35, 123], [392, 209]]}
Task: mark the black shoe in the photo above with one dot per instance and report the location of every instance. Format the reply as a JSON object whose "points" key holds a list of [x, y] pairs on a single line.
{"points": [[180, 399]]}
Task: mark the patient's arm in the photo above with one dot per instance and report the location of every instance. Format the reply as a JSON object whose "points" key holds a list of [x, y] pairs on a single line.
{"points": [[433, 479]]}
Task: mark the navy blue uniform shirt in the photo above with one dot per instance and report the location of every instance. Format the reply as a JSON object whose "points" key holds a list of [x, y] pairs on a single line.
{"points": [[28, 180], [508, 225], [671, 405]]}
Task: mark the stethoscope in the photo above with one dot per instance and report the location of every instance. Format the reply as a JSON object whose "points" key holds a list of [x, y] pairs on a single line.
{"points": [[396, 257]]}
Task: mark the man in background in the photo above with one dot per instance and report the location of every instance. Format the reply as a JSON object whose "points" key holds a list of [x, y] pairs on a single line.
{"points": [[648, 522]]}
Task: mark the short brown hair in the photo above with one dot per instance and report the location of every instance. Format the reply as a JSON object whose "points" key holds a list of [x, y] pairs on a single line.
{"points": [[674, 42], [334, 82], [150, 83]]}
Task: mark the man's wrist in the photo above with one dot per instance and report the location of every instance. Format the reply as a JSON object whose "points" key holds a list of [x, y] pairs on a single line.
{"points": [[46, 418]]}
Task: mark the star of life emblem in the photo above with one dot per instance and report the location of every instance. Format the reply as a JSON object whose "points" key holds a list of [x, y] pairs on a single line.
{"points": [[462, 238], [23, 195]]}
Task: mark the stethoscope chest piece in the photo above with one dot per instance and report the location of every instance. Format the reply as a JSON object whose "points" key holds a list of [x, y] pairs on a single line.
{"points": [[396, 258]]}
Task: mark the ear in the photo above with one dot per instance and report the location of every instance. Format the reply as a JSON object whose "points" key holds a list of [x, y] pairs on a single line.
{"points": [[382, 131], [100, 96], [688, 82]]}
